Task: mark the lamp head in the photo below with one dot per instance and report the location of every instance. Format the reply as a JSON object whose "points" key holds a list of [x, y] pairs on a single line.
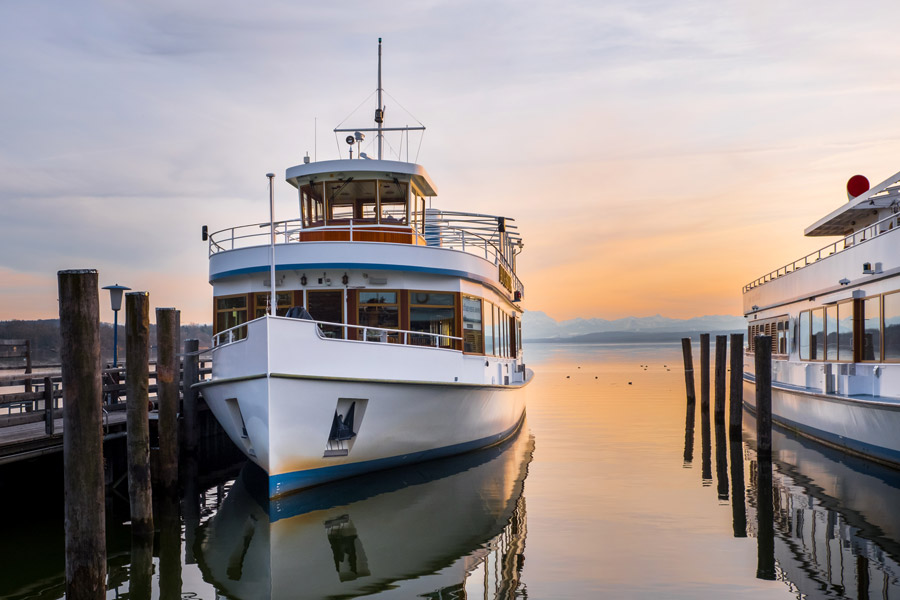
{"points": [[115, 295]]}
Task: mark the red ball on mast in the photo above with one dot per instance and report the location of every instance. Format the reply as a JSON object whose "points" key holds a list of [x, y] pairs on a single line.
{"points": [[856, 186]]}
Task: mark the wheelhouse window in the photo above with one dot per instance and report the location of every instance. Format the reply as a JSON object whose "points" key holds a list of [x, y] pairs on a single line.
{"points": [[432, 313], [892, 326], [312, 206], [231, 311], [473, 339], [394, 202], [381, 311]]}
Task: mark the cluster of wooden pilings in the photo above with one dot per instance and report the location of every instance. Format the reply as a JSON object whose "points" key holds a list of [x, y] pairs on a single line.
{"points": [[763, 408], [83, 425]]}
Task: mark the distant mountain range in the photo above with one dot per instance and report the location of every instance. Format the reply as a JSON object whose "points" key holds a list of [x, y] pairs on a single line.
{"points": [[538, 326]]}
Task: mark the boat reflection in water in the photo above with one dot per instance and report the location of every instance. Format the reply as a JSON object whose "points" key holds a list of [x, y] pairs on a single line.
{"points": [[836, 521], [450, 528]]}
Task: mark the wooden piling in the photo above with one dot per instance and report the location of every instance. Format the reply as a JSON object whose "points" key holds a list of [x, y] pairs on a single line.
{"points": [[49, 421], [721, 348], [688, 370], [28, 371], [190, 376], [137, 381], [763, 351], [704, 372], [167, 393], [85, 522], [736, 391]]}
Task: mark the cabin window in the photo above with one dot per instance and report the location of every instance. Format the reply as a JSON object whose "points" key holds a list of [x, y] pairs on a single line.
{"points": [[831, 332], [473, 338], [231, 311], [381, 311], [871, 334], [804, 335], [817, 342], [504, 321], [519, 334], [327, 306], [488, 328], [892, 326], [432, 312], [261, 302], [845, 331]]}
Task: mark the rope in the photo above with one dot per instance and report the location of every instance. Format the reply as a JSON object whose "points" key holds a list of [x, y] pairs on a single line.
{"points": [[356, 109]]}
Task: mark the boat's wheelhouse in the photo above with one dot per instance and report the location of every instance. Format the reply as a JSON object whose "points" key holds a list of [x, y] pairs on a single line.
{"points": [[369, 260]]}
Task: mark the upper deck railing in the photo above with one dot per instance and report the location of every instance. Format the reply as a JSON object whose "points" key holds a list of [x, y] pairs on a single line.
{"points": [[496, 239], [857, 237]]}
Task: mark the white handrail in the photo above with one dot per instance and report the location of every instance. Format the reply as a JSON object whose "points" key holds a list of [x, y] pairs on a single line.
{"points": [[869, 232], [231, 332], [465, 232]]}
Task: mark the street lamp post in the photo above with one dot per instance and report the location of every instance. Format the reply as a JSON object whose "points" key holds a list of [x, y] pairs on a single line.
{"points": [[115, 298]]}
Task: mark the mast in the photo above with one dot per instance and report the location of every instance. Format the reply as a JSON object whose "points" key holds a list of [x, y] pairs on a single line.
{"points": [[273, 302], [379, 110]]}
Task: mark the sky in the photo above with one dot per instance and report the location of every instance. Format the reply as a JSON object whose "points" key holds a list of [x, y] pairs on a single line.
{"points": [[656, 156]]}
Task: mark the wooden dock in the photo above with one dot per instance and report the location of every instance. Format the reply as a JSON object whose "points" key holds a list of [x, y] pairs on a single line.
{"points": [[30, 440], [33, 424]]}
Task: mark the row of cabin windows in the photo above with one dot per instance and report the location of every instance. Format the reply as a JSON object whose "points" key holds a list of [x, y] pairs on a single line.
{"points": [[863, 330], [485, 327]]}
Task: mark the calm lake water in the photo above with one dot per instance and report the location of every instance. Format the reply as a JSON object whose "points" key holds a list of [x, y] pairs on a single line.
{"points": [[611, 490]]}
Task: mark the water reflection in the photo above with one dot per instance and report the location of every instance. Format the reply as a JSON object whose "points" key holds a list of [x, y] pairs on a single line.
{"points": [[738, 507], [689, 433], [442, 529], [721, 457], [834, 520]]}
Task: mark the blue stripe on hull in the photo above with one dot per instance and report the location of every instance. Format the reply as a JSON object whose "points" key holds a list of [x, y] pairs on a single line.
{"points": [[858, 447], [298, 480]]}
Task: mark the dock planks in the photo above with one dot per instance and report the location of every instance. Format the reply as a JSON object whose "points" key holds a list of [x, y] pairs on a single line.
{"points": [[29, 440]]}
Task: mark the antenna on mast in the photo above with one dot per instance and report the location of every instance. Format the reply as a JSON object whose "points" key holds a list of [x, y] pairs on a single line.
{"points": [[379, 110]]}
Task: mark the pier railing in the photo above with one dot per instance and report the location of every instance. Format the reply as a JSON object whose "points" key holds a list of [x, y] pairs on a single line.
{"points": [[43, 391], [865, 234], [340, 331], [494, 238]]}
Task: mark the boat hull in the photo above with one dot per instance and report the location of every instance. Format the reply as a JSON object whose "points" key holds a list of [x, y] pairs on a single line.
{"points": [[862, 426], [285, 422]]}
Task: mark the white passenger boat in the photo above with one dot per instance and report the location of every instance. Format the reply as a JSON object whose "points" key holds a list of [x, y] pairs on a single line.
{"points": [[834, 320], [372, 331]]}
